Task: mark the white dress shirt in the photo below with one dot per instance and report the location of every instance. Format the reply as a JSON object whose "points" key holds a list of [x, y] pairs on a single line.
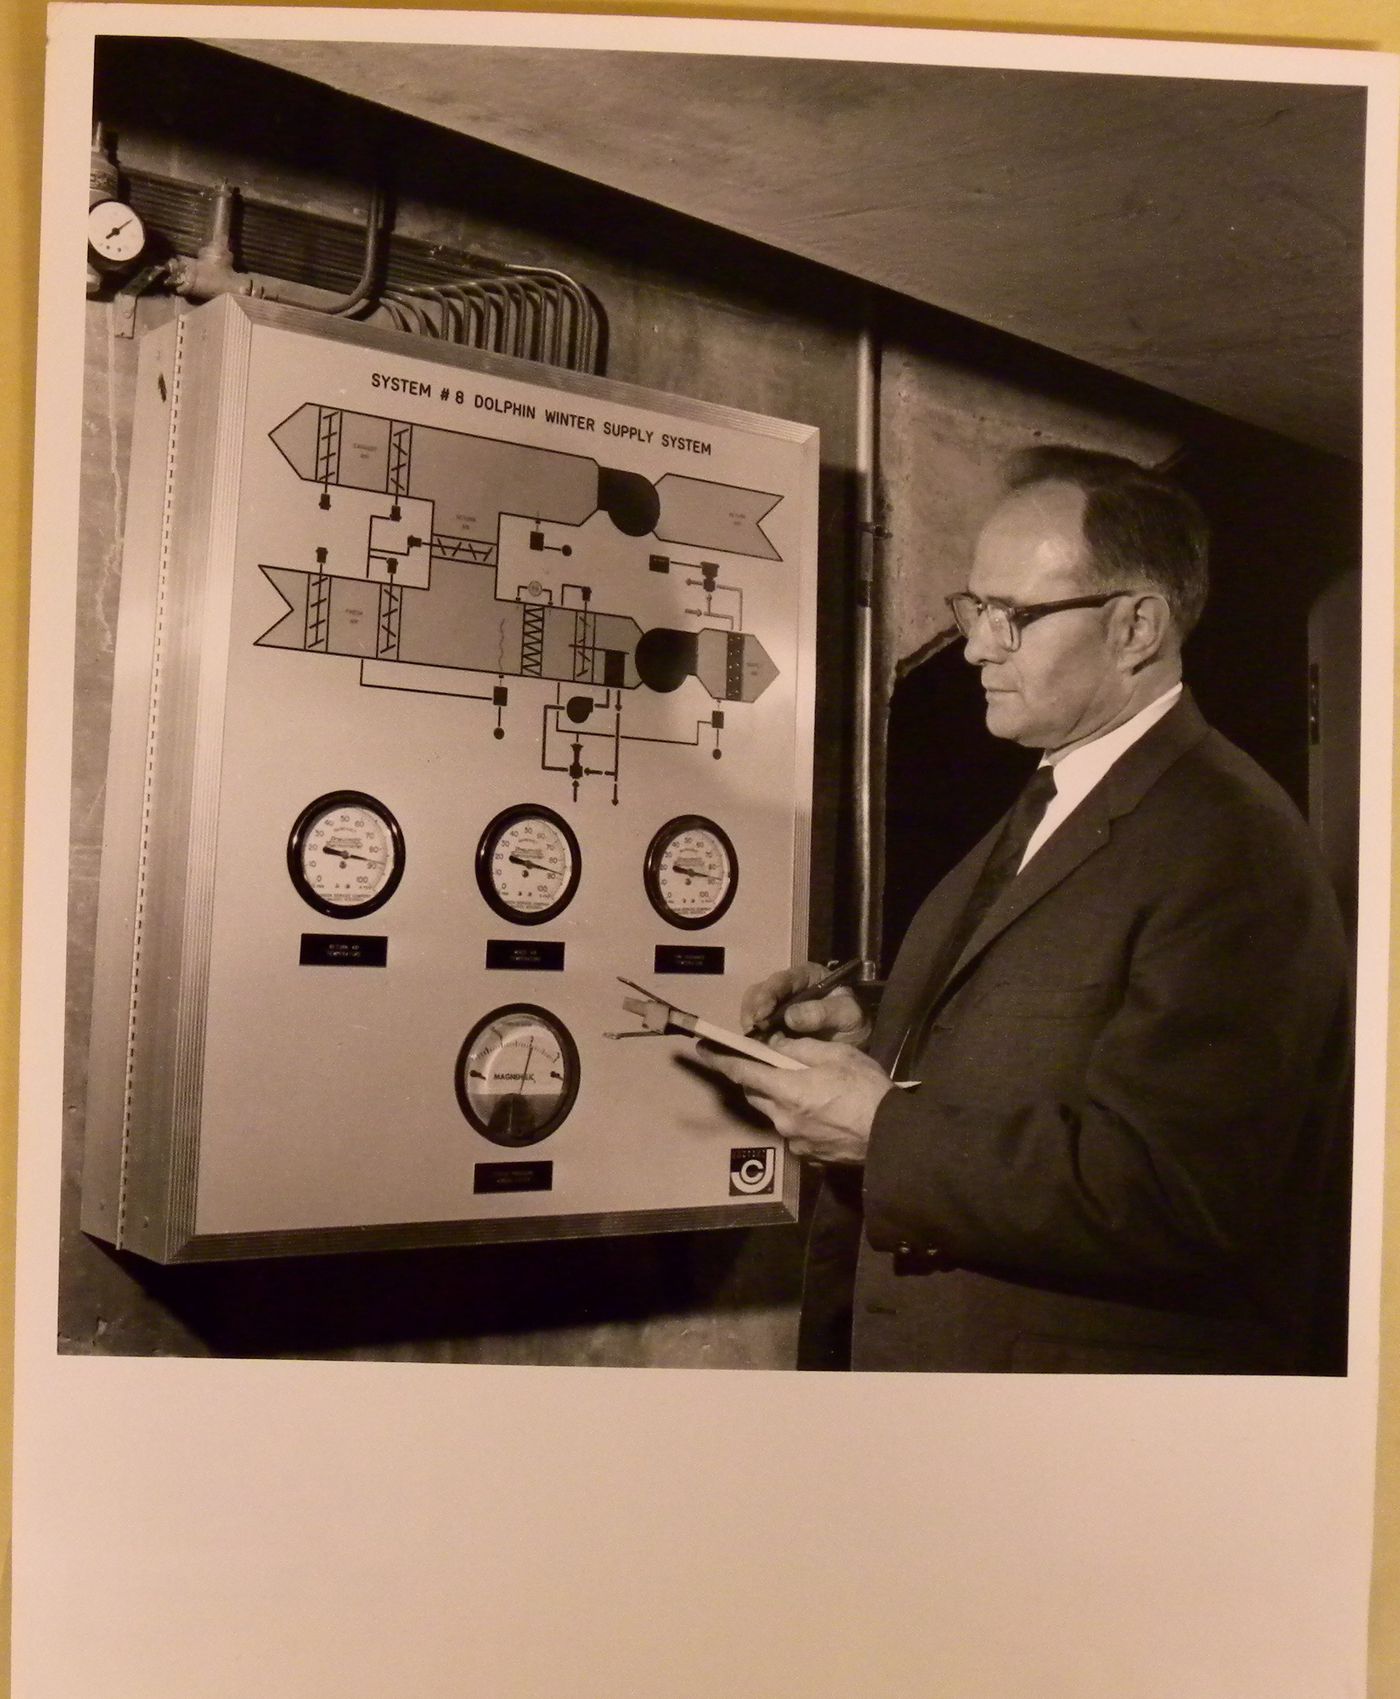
{"points": [[1079, 770]]}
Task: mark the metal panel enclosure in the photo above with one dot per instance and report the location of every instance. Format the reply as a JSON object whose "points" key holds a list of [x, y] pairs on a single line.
{"points": [[449, 689]]}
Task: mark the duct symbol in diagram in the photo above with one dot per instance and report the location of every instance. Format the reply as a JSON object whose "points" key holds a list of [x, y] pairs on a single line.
{"points": [[472, 481], [454, 618]]}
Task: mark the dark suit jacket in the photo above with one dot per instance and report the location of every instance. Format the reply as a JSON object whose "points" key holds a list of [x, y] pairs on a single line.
{"points": [[1128, 1150]]}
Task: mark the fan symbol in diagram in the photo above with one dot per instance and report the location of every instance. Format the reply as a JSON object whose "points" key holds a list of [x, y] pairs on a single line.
{"points": [[421, 609]]}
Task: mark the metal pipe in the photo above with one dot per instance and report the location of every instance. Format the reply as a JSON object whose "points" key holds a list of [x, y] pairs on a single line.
{"points": [[211, 272], [468, 315], [275, 290], [870, 692], [549, 326], [587, 345], [510, 293], [532, 317], [217, 251], [475, 310], [454, 313], [524, 299], [529, 318], [400, 310], [492, 291], [410, 297], [569, 335], [530, 312], [421, 318], [374, 234], [515, 307], [482, 315]]}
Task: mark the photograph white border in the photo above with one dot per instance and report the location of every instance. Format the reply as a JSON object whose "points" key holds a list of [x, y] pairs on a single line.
{"points": [[347, 1528]]}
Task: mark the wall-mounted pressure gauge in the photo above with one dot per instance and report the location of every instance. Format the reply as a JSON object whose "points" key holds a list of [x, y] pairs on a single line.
{"points": [[528, 864], [517, 1074], [116, 236], [691, 872], [345, 854]]}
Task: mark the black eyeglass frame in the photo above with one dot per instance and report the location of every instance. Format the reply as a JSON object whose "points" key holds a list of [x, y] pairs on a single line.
{"points": [[1018, 618]]}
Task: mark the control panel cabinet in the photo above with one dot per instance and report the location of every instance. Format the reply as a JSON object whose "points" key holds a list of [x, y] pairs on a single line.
{"points": [[450, 691]]}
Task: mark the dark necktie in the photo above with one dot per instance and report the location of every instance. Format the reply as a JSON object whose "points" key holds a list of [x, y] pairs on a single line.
{"points": [[1000, 868]]}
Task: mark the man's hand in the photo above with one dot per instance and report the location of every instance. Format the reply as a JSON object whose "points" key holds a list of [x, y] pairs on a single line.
{"points": [[823, 1110], [837, 1016]]}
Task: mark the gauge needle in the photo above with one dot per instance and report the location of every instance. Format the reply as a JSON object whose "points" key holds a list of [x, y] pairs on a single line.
{"points": [[525, 1071], [347, 855], [117, 229], [695, 872], [538, 866]]}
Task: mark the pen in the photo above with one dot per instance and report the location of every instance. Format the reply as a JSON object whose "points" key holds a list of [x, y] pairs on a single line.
{"points": [[773, 1021]]}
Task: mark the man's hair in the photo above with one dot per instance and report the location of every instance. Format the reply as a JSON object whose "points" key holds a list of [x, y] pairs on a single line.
{"points": [[1139, 526]]}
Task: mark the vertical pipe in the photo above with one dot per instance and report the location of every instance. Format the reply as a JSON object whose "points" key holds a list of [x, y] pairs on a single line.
{"points": [[529, 319], [455, 311], [869, 712], [549, 325]]}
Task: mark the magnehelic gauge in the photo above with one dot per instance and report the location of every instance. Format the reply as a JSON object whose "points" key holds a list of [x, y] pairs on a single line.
{"points": [[528, 864], [691, 871], [345, 854], [517, 1074]]}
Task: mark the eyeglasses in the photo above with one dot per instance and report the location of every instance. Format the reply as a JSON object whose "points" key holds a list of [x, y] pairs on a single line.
{"points": [[1006, 622]]}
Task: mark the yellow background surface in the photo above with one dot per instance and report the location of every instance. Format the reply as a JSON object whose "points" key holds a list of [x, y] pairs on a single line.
{"points": [[1340, 23]]}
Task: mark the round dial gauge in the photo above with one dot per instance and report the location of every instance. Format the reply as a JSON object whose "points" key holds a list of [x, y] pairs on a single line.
{"points": [[115, 234], [345, 854], [517, 1074], [691, 871], [528, 864]]}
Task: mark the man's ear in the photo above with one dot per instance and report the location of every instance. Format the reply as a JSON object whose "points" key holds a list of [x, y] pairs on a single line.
{"points": [[1144, 629]]}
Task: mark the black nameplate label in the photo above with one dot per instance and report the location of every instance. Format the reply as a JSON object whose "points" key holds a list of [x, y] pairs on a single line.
{"points": [[340, 949], [689, 958], [513, 1177], [534, 956]]}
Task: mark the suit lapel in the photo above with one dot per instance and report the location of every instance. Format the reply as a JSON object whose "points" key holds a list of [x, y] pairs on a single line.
{"points": [[1086, 831], [922, 944]]}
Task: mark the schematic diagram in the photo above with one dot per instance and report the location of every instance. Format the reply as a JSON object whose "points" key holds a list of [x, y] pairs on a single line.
{"points": [[472, 573]]}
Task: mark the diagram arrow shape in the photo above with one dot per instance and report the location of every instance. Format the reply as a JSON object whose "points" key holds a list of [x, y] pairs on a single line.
{"points": [[703, 515], [289, 630]]}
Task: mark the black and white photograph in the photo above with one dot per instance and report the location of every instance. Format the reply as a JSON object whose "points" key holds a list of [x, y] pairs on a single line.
{"points": [[575, 544], [721, 702]]}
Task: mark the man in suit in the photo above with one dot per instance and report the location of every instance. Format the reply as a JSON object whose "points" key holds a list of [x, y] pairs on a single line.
{"points": [[1101, 1119]]}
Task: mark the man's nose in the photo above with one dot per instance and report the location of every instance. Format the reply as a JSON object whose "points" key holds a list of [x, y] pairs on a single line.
{"points": [[978, 647]]}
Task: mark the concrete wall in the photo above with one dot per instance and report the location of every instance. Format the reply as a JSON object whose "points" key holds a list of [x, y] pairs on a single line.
{"points": [[946, 433], [956, 401], [696, 311]]}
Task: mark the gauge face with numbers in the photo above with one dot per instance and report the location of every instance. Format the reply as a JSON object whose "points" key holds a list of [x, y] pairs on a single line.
{"points": [[115, 235], [517, 1074], [691, 872], [528, 864], [345, 854]]}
